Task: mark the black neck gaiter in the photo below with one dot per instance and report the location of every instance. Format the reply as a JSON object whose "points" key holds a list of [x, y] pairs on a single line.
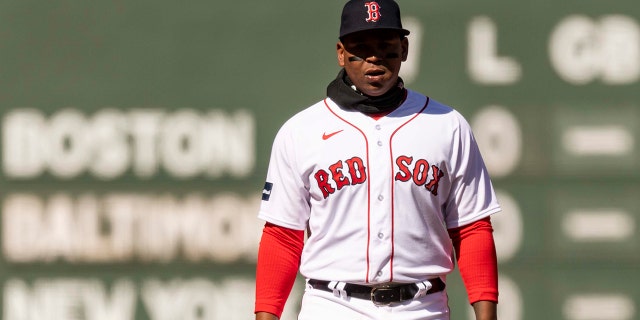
{"points": [[342, 92]]}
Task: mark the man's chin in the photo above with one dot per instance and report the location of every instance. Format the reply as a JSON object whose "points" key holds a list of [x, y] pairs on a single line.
{"points": [[374, 90]]}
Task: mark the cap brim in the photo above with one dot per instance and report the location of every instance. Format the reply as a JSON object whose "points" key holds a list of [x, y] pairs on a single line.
{"points": [[403, 32]]}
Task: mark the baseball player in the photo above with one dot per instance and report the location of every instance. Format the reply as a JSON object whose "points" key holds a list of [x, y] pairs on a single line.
{"points": [[387, 182]]}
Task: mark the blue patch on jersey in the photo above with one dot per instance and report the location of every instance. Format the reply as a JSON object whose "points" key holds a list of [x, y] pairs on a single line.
{"points": [[266, 192]]}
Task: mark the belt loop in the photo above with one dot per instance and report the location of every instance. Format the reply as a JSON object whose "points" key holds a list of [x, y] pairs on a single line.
{"points": [[338, 288], [422, 289]]}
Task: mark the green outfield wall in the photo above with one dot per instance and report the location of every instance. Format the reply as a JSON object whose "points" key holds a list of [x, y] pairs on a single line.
{"points": [[135, 135]]}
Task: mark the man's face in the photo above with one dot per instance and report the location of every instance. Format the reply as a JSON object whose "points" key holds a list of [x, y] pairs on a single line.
{"points": [[372, 59]]}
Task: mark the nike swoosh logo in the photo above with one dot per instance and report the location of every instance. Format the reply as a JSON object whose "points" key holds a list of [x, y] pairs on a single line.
{"points": [[326, 136]]}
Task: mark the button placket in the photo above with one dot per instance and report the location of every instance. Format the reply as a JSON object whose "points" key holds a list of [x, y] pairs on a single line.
{"points": [[378, 127], [380, 240]]}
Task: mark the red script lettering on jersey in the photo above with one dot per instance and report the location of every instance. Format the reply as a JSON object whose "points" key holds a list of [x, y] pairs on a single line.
{"points": [[419, 174], [356, 175], [352, 172]]}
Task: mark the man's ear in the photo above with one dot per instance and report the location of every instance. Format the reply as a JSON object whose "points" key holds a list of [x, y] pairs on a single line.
{"points": [[405, 48], [341, 53]]}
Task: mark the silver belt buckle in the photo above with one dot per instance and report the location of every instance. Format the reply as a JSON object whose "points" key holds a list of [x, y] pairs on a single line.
{"points": [[379, 295]]}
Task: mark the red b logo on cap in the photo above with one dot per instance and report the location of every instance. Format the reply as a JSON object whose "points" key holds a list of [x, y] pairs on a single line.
{"points": [[373, 8]]}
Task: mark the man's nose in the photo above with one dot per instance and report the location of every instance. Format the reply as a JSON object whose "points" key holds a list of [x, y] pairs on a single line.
{"points": [[375, 57]]}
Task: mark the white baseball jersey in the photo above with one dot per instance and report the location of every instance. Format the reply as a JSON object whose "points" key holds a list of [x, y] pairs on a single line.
{"points": [[377, 196]]}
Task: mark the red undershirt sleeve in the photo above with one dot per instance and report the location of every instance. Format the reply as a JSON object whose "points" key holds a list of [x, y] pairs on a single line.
{"points": [[477, 261], [278, 261]]}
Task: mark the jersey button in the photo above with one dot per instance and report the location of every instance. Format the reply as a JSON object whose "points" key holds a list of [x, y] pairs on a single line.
{"points": [[379, 274], [380, 197], [378, 127], [380, 235], [380, 143]]}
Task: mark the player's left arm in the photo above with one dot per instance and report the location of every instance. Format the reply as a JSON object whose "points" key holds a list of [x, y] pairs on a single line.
{"points": [[471, 201], [485, 310], [477, 262]]}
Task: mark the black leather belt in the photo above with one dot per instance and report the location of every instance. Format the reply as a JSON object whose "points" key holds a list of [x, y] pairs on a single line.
{"points": [[380, 295]]}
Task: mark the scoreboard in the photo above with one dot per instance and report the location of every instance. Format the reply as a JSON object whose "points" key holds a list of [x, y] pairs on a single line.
{"points": [[135, 136]]}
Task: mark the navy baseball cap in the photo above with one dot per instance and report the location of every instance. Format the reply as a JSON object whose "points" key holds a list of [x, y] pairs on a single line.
{"points": [[360, 15]]}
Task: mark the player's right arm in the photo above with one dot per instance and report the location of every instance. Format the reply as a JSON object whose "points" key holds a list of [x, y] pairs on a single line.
{"points": [[285, 207], [278, 261], [266, 316]]}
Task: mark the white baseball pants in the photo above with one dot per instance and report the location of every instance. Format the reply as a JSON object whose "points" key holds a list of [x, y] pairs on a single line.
{"points": [[323, 305]]}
